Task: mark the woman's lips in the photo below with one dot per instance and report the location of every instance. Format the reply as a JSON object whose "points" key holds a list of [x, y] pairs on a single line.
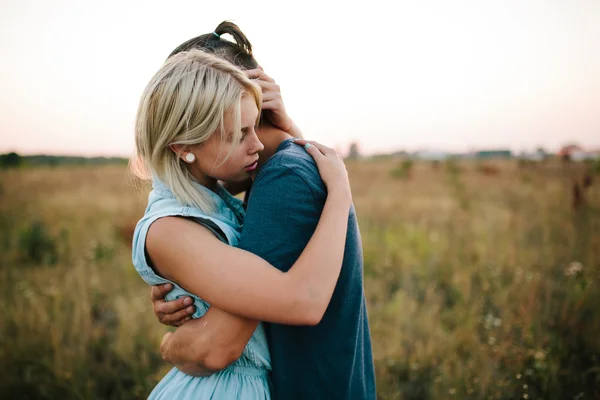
{"points": [[252, 166]]}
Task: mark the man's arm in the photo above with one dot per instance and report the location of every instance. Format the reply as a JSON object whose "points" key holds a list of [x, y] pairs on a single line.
{"points": [[208, 344], [282, 215]]}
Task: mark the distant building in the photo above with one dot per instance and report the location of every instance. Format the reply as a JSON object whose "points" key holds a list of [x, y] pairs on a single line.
{"points": [[577, 153], [569, 150], [538, 155], [493, 154]]}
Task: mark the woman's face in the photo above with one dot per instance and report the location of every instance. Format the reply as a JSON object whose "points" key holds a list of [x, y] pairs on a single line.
{"points": [[209, 166]]}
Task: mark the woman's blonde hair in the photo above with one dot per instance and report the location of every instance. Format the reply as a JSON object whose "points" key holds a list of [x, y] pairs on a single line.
{"points": [[186, 102]]}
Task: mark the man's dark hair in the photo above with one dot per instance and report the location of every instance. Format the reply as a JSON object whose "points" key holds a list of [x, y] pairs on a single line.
{"points": [[238, 52]]}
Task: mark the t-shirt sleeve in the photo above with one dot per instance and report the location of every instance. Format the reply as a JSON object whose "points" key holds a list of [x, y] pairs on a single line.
{"points": [[283, 212]]}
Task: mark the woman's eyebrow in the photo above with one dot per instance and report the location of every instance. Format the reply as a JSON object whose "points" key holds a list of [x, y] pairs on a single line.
{"points": [[245, 128]]}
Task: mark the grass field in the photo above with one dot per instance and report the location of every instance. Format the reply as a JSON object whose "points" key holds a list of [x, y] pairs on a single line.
{"points": [[482, 282]]}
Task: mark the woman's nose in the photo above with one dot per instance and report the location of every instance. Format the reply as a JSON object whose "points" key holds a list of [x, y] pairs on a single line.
{"points": [[257, 146]]}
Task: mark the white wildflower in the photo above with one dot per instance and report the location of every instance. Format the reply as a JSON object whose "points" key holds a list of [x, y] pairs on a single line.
{"points": [[573, 268]]}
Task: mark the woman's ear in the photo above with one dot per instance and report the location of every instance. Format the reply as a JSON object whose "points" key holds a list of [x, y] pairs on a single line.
{"points": [[177, 148], [183, 152]]}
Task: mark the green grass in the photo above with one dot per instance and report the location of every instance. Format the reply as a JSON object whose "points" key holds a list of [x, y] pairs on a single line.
{"points": [[478, 287]]}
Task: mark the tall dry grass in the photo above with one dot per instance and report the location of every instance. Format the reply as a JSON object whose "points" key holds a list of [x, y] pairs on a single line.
{"points": [[479, 285]]}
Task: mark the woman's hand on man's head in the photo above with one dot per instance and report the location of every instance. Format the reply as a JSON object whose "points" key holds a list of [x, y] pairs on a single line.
{"points": [[272, 100]]}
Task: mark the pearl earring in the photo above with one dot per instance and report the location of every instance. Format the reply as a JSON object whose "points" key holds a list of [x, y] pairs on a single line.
{"points": [[189, 157]]}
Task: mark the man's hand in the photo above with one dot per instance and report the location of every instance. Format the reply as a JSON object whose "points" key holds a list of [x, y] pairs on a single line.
{"points": [[185, 351], [202, 348], [172, 313]]}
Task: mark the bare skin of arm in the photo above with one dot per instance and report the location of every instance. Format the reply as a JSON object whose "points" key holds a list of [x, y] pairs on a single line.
{"points": [[299, 296], [262, 291], [205, 345], [208, 344], [243, 284]]}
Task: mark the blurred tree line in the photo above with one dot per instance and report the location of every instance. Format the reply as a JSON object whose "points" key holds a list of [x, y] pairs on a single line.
{"points": [[14, 160], [10, 160]]}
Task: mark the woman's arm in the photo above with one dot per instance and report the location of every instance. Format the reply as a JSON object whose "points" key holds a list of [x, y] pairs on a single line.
{"points": [[243, 284], [295, 131]]}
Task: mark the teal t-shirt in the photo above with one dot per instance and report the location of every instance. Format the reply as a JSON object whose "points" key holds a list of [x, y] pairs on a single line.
{"points": [[332, 360]]}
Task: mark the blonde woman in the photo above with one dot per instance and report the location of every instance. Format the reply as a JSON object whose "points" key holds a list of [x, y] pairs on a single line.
{"points": [[195, 127]]}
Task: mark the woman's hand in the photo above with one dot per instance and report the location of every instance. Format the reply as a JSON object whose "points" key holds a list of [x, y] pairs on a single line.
{"points": [[272, 101], [331, 167]]}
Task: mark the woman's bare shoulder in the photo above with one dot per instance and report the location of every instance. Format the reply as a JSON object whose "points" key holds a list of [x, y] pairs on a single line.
{"points": [[174, 232]]}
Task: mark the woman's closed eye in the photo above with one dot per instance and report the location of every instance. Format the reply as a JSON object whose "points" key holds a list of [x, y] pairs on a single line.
{"points": [[245, 132]]}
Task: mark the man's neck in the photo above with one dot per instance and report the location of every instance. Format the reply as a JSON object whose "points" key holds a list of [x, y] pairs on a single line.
{"points": [[271, 137]]}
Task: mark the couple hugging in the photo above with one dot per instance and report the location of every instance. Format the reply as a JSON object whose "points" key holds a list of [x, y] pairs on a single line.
{"points": [[267, 294]]}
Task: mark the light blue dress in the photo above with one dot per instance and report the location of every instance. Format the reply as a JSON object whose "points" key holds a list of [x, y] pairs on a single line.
{"points": [[248, 377]]}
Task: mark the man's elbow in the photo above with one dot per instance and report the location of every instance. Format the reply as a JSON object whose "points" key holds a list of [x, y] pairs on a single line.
{"points": [[206, 365], [220, 358], [204, 360]]}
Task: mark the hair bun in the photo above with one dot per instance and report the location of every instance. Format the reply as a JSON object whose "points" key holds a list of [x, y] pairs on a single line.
{"points": [[238, 36]]}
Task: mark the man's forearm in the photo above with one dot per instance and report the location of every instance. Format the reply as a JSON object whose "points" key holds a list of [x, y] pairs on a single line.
{"points": [[188, 349], [208, 344]]}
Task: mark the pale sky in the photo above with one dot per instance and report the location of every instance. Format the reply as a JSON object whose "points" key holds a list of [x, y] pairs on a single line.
{"points": [[433, 74]]}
